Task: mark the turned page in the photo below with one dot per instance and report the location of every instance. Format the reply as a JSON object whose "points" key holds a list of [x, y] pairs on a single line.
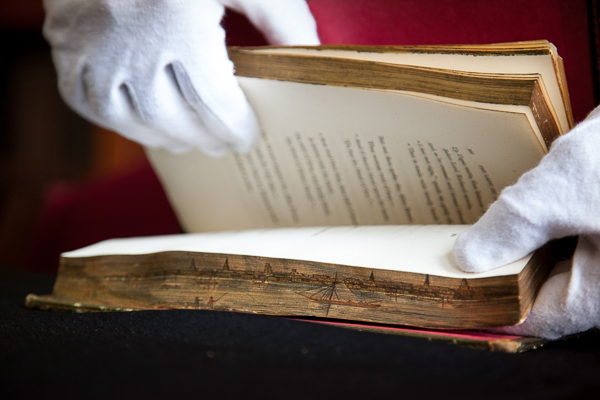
{"points": [[333, 156], [518, 63]]}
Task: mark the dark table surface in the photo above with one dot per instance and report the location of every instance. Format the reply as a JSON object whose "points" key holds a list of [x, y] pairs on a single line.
{"points": [[212, 355]]}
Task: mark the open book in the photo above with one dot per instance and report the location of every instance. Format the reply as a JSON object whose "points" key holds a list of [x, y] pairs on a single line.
{"points": [[395, 149]]}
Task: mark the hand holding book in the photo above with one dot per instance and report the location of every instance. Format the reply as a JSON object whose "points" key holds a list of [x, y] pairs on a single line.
{"points": [[556, 199]]}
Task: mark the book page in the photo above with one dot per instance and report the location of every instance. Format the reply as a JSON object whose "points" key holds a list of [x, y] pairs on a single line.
{"points": [[333, 156], [505, 64], [417, 249]]}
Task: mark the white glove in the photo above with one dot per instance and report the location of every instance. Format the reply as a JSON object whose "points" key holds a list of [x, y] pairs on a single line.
{"points": [[558, 198], [157, 71]]}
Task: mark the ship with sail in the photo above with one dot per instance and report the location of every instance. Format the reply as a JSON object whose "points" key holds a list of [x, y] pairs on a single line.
{"points": [[337, 293]]}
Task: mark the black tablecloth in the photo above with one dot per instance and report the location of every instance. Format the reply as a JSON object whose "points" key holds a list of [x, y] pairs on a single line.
{"points": [[204, 354]]}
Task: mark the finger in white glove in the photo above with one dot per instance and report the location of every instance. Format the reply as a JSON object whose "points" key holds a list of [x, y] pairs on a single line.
{"points": [[558, 198], [157, 71], [569, 301]]}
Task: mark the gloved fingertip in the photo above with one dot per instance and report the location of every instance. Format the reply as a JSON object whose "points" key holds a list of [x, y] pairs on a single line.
{"points": [[178, 149], [468, 255], [478, 250], [215, 151], [246, 133]]}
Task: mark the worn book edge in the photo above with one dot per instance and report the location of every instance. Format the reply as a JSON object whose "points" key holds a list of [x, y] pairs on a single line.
{"points": [[534, 47], [287, 287]]}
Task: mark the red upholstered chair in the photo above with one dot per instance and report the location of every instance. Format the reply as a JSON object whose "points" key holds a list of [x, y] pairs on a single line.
{"points": [[133, 203]]}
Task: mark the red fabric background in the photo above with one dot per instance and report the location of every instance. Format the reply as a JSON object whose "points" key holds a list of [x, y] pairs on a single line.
{"points": [[134, 204]]}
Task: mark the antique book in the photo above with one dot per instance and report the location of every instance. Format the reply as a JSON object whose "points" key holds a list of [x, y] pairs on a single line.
{"points": [[371, 161], [396, 274]]}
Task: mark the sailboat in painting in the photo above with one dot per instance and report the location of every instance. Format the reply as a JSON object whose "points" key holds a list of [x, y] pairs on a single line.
{"points": [[336, 294]]}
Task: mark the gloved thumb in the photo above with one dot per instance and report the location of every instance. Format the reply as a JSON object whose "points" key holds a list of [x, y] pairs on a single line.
{"points": [[558, 198]]}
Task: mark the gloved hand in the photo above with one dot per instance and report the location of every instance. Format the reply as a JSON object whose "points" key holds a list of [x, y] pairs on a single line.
{"points": [[558, 198], [157, 71]]}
